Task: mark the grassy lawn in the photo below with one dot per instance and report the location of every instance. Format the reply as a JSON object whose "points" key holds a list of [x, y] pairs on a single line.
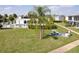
{"points": [[73, 27], [62, 23], [74, 50], [24, 40]]}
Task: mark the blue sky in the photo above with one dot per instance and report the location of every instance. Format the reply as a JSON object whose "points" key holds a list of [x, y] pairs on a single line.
{"points": [[18, 9], [65, 9], [24, 9]]}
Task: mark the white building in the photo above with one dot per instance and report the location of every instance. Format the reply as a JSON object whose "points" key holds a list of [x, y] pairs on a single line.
{"points": [[18, 23], [59, 17], [73, 20]]}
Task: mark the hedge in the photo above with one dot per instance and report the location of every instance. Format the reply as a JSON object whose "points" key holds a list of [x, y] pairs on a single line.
{"points": [[44, 27]]}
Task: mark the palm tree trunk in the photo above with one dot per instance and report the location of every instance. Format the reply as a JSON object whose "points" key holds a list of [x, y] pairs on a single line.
{"points": [[41, 32]]}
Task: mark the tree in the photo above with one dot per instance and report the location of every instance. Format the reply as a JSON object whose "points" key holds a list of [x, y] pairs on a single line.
{"points": [[15, 15], [40, 13], [33, 17], [11, 18], [5, 15], [1, 16], [5, 18], [1, 20]]}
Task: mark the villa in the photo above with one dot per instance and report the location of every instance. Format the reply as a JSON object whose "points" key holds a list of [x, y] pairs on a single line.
{"points": [[19, 22], [59, 17], [73, 20]]}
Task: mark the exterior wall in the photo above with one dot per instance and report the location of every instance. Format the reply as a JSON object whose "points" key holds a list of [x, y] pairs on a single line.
{"points": [[66, 18], [69, 18], [62, 18], [59, 18], [74, 18], [21, 21]]}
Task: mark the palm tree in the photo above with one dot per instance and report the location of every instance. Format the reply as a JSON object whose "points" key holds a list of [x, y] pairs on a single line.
{"points": [[32, 16], [40, 12]]}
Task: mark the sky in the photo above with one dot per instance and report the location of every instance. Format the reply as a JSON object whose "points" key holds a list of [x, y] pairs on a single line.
{"points": [[55, 9]]}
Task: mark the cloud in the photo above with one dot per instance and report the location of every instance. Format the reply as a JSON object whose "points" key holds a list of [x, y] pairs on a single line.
{"points": [[55, 7], [7, 8], [62, 9], [66, 6]]}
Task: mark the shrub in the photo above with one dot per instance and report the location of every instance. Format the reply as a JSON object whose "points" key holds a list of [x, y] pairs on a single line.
{"points": [[0, 25], [54, 27], [45, 27]]}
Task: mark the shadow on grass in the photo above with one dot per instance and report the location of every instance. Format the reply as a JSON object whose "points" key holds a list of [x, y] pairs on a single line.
{"points": [[47, 36], [5, 28], [54, 37]]}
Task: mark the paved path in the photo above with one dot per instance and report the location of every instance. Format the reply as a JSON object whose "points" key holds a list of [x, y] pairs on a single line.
{"points": [[68, 46]]}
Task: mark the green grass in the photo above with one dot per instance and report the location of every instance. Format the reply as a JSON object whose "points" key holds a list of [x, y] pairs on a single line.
{"points": [[62, 23], [24, 40], [72, 27], [74, 50]]}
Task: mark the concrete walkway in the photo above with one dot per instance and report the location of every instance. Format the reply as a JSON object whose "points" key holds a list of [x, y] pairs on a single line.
{"points": [[68, 46]]}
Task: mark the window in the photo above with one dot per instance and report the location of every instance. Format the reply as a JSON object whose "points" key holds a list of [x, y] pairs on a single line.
{"points": [[76, 18], [70, 18]]}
